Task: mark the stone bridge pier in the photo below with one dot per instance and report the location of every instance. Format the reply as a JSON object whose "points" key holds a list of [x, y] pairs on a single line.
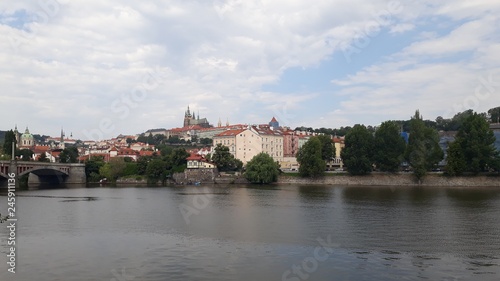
{"points": [[43, 173]]}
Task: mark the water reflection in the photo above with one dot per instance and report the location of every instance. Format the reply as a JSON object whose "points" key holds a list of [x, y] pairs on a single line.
{"points": [[256, 232]]}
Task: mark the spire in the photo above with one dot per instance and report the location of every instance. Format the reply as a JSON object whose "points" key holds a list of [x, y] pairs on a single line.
{"points": [[198, 115], [26, 131], [61, 144], [219, 124], [227, 122]]}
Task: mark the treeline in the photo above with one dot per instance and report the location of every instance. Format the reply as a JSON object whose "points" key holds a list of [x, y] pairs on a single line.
{"points": [[440, 124], [472, 152], [162, 139], [158, 167]]}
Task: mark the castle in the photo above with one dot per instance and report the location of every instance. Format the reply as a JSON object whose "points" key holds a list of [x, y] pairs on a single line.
{"points": [[190, 120]]}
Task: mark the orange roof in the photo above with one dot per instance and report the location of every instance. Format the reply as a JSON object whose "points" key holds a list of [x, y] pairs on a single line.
{"points": [[230, 133], [39, 149], [194, 156], [146, 153]]}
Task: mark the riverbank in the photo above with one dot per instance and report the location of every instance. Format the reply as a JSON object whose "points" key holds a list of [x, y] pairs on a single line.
{"points": [[343, 179], [394, 180]]}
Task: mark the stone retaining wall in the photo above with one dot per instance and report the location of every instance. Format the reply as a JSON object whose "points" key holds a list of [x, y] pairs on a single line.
{"points": [[394, 180]]}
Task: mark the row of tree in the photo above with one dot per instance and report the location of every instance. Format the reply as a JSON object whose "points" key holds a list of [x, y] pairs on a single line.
{"points": [[472, 151], [160, 139], [155, 168], [159, 167], [440, 124]]}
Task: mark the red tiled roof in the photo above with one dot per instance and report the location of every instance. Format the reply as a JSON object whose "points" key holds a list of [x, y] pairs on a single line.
{"points": [[194, 156], [146, 153], [127, 151], [39, 149], [230, 133]]}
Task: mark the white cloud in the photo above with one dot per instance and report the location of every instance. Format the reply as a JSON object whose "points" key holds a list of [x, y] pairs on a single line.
{"points": [[401, 28], [79, 65]]}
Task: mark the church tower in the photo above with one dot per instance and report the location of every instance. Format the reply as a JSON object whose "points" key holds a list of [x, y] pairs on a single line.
{"points": [[26, 141], [16, 135], [187, 117], [61, 142]]}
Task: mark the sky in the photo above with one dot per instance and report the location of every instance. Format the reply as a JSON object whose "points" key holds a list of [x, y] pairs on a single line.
{"points": [[103, 68]]}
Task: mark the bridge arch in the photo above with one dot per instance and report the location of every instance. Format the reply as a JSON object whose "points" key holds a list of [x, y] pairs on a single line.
{"points": [[45, 171]]}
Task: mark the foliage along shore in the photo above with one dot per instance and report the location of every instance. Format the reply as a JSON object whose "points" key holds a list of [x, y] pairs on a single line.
{"points": [[344, 179]]}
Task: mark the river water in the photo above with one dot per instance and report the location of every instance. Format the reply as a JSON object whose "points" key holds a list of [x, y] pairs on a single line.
{"points": [[283, 232]]}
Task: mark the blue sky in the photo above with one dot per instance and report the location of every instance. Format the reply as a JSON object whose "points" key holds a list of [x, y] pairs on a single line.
{"points": [[101, 68]]}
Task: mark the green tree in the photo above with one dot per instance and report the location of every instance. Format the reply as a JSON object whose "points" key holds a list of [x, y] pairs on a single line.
{"points": [[224, 160], [150, 139], [25, 154], [43, 158], [174, 139], [262, 169], [142, 138], [456, 163], [92, 167], [389, 147], [206, 141], [156, 170], [10, 138], [164, 149], [423, 151], [473, 149], [310, 159], [130, 169], [358, 151], [178, 157], [158, 139], [113, 169], [494, 114], [327, 147], [176, 161], [142, 164], [69, 155]]}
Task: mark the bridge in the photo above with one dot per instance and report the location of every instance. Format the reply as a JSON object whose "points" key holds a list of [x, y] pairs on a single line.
{"points": [[43, 172]]}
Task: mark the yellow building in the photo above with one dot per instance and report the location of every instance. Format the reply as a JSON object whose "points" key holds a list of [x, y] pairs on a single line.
{"points": [[244, 144]]}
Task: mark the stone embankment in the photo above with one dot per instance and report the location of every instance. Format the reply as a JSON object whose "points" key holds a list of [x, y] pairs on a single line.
{"points": [[394, 180]]}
